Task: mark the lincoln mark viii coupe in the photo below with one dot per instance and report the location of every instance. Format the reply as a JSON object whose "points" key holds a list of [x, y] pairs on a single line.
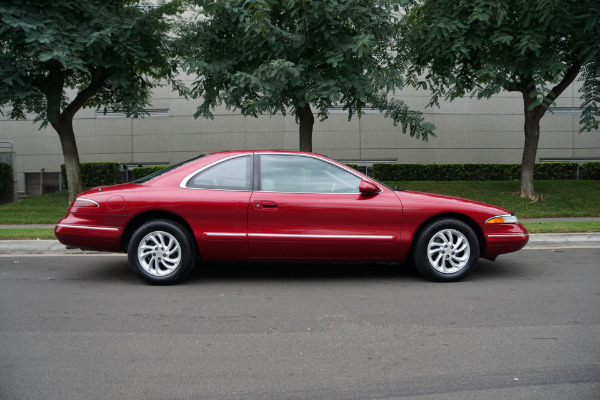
{"points": [[283, 206]]}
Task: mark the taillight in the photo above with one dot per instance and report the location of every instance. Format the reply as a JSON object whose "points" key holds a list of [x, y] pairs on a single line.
{"points": [[85, 203]]}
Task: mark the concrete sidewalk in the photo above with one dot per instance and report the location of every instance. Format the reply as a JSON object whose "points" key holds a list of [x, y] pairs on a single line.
{"points": [[542, 240]]}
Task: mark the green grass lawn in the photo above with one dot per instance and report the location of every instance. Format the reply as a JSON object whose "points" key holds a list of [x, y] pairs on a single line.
{"points": [[560, 199], [562, 227], [27, 233], [45, 209]]}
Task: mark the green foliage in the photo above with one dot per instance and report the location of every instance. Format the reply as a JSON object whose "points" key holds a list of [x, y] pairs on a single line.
{"points": [[353, 166], [469, 172], [592, 169], [279, 56], [95, 174], [590, 94], [140, 172], [556, 170], [445, 172], [6, 177], [58, 56], [111, 52], [481, 47]]}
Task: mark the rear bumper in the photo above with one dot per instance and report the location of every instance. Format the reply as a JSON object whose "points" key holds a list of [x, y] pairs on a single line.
{"points": [[106, 238]]}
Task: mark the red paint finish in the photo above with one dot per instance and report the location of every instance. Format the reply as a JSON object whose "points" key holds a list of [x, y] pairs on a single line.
{"points": [[369, 223], [116, 203], [307, 226], [218, 219]]}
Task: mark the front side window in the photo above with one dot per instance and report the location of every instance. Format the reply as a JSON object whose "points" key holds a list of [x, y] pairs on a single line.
{"points": [[300, 174], [232, 174]]}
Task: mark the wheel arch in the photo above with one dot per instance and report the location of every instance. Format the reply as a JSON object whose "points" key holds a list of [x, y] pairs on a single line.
{"points": [[461, 217], [141, 219]]}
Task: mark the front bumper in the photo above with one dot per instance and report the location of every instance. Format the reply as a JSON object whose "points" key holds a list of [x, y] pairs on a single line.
{"points": [[504, 238]]}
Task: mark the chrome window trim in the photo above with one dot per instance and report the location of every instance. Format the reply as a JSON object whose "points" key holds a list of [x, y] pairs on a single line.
{"points": [[219, 190], [185, 181], [329, 194]]}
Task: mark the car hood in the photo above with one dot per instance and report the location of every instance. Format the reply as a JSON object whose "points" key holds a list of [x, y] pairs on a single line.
{"points": [[443, 203]]}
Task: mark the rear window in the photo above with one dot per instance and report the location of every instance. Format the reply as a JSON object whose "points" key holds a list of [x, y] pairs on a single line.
{"points": [[232, 174], [164, 170]]}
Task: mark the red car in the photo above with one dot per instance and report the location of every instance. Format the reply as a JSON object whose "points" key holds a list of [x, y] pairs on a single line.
{"points": [[283, 205]]}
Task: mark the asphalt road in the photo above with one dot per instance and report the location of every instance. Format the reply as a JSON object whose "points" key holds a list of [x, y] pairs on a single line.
{"points": [[83, 327]]}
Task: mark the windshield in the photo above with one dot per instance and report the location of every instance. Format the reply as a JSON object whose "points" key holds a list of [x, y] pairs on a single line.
{"points": [[167, 169]]}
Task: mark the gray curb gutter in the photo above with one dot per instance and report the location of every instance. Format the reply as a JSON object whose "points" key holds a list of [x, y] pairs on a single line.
{"points": [[564, 239], [10, 247]]}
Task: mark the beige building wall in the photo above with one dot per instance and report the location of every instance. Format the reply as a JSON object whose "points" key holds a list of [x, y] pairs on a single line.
{"points": [[468, 130]]}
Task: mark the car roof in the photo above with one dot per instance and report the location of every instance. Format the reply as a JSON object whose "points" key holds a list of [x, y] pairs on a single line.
{"points": [[225, 152]]}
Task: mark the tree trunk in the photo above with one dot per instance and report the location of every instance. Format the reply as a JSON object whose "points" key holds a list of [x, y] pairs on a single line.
{"points": [[71, 156], [62, 122], [533, 115], [307, 121], [532, 138]]}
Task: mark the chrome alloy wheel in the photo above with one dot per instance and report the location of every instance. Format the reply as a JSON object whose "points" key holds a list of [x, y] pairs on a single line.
{"points": [[448, 251], [159, 253]]}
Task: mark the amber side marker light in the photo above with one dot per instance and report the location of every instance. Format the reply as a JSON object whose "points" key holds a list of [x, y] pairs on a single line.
{"points": [[503, 219]]}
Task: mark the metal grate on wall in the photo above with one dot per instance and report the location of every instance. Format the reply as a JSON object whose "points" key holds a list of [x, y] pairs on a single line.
{"points": [[340, 110], [564, 110], [149, 112]]}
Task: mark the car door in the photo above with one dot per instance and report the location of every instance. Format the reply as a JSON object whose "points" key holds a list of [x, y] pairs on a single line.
{"points": [[215, 202], [307, 208]]}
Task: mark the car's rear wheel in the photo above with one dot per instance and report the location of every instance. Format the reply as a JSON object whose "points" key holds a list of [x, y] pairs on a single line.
{"points": [[446, 250], [161, 252]]}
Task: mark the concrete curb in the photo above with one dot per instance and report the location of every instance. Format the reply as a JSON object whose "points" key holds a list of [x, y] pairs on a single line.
{"points": [[36, 247], [564, 239], [9, 247]]}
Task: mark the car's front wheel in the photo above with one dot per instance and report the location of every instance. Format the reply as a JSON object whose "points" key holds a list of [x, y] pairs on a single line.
{"points": [[446, 250], [161, 252]]}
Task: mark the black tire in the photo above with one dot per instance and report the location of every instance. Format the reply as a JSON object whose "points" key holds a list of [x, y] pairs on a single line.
{"points": [[446, 250], [161, 252]]}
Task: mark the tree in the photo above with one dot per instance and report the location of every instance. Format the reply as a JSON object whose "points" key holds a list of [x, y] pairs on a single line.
{"points": [[269, 56], [535, 47], [57, 56]]}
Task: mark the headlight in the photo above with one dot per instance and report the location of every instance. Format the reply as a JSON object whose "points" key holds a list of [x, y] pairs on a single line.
{"points": [[503, 219]]}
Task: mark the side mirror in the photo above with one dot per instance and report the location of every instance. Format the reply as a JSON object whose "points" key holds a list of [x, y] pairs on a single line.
{"points": [[367, 187]]}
